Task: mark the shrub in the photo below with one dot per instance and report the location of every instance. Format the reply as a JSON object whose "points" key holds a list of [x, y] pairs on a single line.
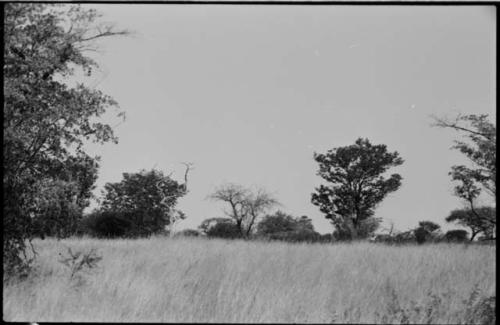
{"points": [[227, 230], [188, 233], [108, 224], [301, 235], [456, 235]]}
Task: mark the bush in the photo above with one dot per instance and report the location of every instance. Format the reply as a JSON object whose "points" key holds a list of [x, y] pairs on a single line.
{"points": [[225, 230], [188, 233], [296, 236], [456, 235]]}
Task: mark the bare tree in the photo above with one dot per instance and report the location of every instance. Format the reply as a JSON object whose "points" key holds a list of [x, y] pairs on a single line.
{"points": [[245, 206]]}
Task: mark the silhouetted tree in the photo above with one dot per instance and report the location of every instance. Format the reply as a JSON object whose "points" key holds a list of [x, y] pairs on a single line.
{"points": [[356, 182]]}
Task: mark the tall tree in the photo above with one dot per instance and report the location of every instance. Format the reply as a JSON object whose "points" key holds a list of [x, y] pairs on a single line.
{"points": [[356, 182], [46, 121], [480, 148], [245, 205]]}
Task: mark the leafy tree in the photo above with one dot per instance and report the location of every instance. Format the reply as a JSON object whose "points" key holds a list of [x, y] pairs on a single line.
{"points": [[246, 205], [220, 228], [63, 196], [467, 218], [481, 150], [456, 235], [46, 120], [356, 183], [151, 195], [282, 222]]}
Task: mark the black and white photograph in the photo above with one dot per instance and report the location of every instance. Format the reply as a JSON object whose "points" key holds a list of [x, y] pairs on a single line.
{"points": [[296, 163]]}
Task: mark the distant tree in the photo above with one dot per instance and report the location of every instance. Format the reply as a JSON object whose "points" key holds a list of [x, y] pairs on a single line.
{"points": [[427, 231], [151, 195], [220, 228], [456, 235], [429, 226], [282, 222], [46, 120], [481, 151], [356, 183], [478, 226], [245, 205]]}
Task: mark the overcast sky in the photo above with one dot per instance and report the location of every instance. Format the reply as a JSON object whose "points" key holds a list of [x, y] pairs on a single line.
{"points": [[248, 93]]}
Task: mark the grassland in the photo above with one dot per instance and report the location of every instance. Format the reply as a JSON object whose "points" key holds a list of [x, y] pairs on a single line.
{"points": [[200, 280]]}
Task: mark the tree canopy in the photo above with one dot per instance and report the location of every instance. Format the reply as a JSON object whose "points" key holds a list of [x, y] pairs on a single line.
{"points": [[478, 226], [46, 120], [480, 148], [150, 194], [356, 182]]}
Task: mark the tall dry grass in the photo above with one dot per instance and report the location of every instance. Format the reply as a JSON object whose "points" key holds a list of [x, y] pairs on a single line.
{"points": [[200, 280]]}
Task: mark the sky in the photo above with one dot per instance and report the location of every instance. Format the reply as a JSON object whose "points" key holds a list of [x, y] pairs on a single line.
{"points": [[249, 93]]}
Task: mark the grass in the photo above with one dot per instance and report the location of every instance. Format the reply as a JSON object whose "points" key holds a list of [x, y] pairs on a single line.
{"points": [[200, 280]]}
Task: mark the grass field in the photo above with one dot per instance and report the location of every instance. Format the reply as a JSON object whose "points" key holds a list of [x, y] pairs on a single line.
{"points": [[200, 280]]}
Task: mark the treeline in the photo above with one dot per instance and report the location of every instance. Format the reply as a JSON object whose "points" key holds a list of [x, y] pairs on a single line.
{"points": [[49, 178]]}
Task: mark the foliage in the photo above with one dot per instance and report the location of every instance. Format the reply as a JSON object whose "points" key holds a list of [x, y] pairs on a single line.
{"points": [[282, 222], [245, 205], [295, 236], [456, 235], [356, 182], [429, 226], [139, 197], [480, 148], [110, 224], [188, 233], [220, 228], [478, 226], [47, 121], [365, 229]]}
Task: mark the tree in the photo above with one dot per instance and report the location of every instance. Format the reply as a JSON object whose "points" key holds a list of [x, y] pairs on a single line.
{"points": [[246, 205], [151, 195], [46, 120], [282, 222], [481, 151], [427, 231], [467, 218], [63, 196], [356, 183]]}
